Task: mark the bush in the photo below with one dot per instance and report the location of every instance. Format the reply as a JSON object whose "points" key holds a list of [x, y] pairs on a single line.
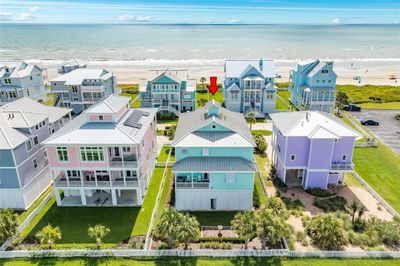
{"points": [[280, 184], [326, 232], [359, 225], [319, 192], [397, 116], [367, 239], [256, 198], [388, 232], [163, 246], [336, 203], [260, 142], [293, 204], [216, 245]]}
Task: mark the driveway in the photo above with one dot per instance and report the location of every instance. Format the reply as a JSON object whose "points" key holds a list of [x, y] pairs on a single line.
{"points": [[388, 130]]}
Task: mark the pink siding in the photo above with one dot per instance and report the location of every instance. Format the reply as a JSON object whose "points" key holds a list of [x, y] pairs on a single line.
{"points": [[73, 159], [95, 118], [121, 112]]}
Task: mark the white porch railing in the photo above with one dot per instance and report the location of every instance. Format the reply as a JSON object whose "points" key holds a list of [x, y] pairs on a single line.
{"points": [[192, 185], [342, 166]]}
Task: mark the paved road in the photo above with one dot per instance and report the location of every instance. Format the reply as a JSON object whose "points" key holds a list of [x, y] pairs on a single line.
{"points": [[388, 128]]}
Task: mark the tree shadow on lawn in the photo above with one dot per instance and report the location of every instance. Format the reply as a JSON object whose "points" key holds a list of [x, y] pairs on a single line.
{"points": [[74, 222]]}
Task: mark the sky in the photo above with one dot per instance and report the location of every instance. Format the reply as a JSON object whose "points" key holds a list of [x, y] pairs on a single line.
{"points": [[333, 12]]}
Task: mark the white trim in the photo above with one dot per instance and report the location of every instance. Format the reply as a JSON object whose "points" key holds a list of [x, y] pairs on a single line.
{"points": [[26, 148], [308, 165]]}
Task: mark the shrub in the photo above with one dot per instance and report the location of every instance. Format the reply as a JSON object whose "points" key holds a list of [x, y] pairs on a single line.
{"points": [[163, 246], [397, 116], [216, 245], [276, 206], [233, 240], [293, 204], [368, 239], [336, 203], [260, 142], [326, 232], [280, 184], [319, 192], [388, 232], [359, 225]]}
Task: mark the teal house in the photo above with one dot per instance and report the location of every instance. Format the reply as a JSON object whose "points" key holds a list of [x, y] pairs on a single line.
{"points": [[168, 90], [214, 167]]}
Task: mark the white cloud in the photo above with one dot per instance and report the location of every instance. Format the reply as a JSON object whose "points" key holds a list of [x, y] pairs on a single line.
{"points": [[34, 9], [5, 16], [128, 17], [336, 21], [234, 21], [25, 17]]}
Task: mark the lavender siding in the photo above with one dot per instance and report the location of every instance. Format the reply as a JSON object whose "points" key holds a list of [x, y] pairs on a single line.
{"points": [[343, 146], [26, 170], [321, 153], [280, 170], [316, 180], [333, 179], [281, 143], [298, 146]]}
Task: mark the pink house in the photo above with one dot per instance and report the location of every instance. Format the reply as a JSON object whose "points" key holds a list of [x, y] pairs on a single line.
{"points": [[105, 156]]}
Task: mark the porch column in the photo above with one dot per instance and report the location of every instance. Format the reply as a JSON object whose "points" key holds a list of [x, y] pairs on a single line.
{"points": [[124, 176], [139, 196], [66, 177], [192, 178], [81, 175], [95, 177], [109, 177], [83, 197], [58, 197], [113, 197], [284, 176]]}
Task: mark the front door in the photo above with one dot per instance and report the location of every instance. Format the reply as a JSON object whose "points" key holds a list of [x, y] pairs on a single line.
{"points": [[116, 151], [213, 204]]}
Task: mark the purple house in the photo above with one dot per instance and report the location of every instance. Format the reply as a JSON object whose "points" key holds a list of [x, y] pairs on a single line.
{"points": [[312, 149]]}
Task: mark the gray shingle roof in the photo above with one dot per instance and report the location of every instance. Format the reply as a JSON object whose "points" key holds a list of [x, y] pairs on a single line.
{"points": [[192, 121], [214, 164]]}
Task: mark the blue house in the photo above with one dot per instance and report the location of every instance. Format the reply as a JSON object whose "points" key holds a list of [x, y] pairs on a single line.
{"points": [[169, 91], [313, 85], [214, 167], [249, 86]]}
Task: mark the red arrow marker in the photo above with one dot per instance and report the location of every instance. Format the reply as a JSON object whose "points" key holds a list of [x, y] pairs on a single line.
{"points": [[213, 87]]}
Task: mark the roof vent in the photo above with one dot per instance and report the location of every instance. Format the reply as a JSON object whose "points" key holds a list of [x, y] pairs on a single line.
{"points": [[261, 64]]}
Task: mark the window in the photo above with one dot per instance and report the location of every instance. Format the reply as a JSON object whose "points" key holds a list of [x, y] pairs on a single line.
{"points": [[324, 71], [31, 78], [230, 178], [35, 164], [234, 95], [317, 80], [28, 145], [74, 89], [270, 95], [45, 155], [36, 140], [185, 151], [62, 154], [292, 157], [101, 118], [214, 126], [278, 148], [126, 149], [90, 154], [205, 152], [344, 157]]}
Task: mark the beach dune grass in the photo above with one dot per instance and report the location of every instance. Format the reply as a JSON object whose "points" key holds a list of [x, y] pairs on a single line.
{"points": [[371, 93]]}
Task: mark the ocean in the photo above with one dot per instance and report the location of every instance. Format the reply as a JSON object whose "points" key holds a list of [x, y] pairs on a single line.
{"points": [[200, 48], [191, 42]]}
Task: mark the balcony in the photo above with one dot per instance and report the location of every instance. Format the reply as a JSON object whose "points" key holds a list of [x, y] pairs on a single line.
{"points": [[98, 88], [126, 161], [194, 185], [342, 167]]}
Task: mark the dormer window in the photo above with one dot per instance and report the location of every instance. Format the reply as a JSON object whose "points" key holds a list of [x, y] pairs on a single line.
{"points": [[101, 118]]}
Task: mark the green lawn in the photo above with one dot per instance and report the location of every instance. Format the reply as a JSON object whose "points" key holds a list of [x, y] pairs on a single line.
{"points": [[238, 261], [164, 195], [142, 222], [23, 215], [262, 132], [380, 167], [261, 162], [389, 105], [281, 105], [218, 96], [164, 154], [259, 190], [50, 100], [362, 94], [214, 218], [74, 222]]}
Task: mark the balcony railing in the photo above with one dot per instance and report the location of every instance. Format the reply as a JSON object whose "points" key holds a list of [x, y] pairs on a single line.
{"points": [[342, 166], [92, 88], [132, 164], [197, 185]]}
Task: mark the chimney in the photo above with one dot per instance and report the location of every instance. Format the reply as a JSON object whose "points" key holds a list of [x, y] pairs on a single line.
{"points": [[261, 64], [307, 115]]}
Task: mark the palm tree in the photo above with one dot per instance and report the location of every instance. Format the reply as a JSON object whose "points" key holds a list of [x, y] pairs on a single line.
{"points": [[326, 232], [188, 229], [98, 232], [276, 206], [202, 80], [251, 118], [49, 235], [244, 224], [167, 228], [8, 224], [354, 208], [361, 211], [269, 228]]}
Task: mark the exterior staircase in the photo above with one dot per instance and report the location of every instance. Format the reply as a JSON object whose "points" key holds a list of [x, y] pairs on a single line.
{"points": [[166, 107]]}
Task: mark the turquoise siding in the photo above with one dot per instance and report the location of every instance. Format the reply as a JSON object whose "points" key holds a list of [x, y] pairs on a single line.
{"points": [[218, 127], [244, 181], [246, 153]]}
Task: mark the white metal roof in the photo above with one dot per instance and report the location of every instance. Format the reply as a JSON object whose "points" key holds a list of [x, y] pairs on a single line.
{"points": [[76, 77], [313, 124], [234, 68], [74, 62], [111, 105], [214, 139], [17, 70]]}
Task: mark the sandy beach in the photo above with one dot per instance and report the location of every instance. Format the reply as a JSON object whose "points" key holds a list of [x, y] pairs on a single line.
{"points": [[377, 72]]}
